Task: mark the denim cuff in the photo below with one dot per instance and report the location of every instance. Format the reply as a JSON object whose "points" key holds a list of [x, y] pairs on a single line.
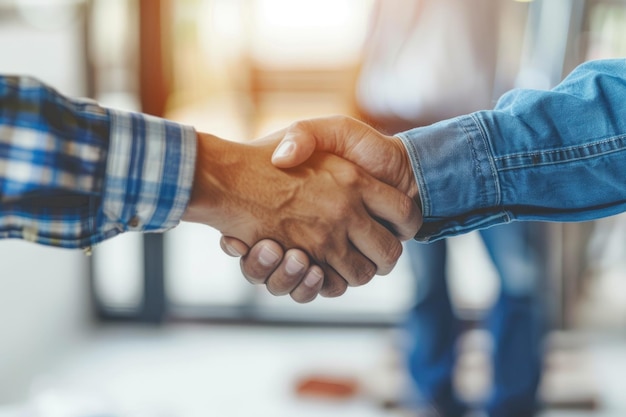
{"points": [[456, 177]]}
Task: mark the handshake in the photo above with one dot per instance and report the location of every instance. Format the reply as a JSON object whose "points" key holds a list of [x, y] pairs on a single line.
{"points": [[312, 209]]}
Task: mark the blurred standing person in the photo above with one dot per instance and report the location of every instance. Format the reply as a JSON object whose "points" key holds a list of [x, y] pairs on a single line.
{"points": [[425, 61]]}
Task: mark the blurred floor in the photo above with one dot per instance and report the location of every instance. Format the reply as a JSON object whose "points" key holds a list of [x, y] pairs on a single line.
{"points": [[193, 371], [208, 370]]}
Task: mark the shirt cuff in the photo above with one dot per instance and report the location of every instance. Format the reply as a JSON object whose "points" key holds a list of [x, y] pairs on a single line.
{"points": [[149, 174], [456, 177]]}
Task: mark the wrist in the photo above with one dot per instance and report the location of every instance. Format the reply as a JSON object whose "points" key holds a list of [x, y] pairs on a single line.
{"points": [[209, 189]]}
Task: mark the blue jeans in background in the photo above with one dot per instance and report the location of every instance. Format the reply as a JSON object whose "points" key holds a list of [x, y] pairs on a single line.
{"points": [[516, 322]]}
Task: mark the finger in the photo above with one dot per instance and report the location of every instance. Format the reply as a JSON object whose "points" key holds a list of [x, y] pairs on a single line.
{"points": [[233, 246], [373, 239], [351, 264], [378, 245], [335, 134], [261, 261], [334, 285], [289, 273], [398, 211], [310, 286]]}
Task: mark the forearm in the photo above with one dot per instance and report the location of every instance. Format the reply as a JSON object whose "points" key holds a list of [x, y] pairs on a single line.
{"points": [[74, 173], [555, 155]]}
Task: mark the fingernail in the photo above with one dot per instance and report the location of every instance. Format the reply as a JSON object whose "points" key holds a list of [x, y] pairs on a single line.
{"points": [[313, 278], [285, 149], [293, 266], [232, 251], [267, 257]]}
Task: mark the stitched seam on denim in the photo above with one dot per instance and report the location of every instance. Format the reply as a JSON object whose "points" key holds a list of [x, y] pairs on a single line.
{"points": [[421, 183], [476, 164], [490, 158], [476, 168], [563, 155]]}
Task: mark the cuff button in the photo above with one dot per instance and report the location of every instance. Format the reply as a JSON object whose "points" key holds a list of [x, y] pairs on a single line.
{"points": [[134, 221]]}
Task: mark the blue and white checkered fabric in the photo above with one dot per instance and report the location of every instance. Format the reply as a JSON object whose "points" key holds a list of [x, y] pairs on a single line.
{"points": [[73, 173]]}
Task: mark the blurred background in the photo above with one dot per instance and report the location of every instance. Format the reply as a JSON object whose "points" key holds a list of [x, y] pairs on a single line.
{"points": [[165, 325]]}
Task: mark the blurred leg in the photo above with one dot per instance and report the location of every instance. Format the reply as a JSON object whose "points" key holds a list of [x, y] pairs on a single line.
{"points": [[432, 329], [517, 321]]}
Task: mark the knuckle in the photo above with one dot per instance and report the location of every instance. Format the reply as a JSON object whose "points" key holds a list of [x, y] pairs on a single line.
{"points": [[342, 120], [407, 210], [295, 125], [334, 291], [325, 239], [351, 175], [321, 242], [363, 222], [342, 208], [393, 253], [333, 288], [387, 267], [298, 126], [364, 274]]}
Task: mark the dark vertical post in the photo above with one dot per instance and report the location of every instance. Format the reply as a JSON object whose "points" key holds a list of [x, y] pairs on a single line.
{"points": [[154, 87]]}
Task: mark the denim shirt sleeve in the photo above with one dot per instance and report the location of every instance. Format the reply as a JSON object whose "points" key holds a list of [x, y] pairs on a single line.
{"points": [[557, 155]]}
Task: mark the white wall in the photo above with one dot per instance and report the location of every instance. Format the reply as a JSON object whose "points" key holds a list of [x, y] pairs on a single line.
{"points": [[44, 310], [43, 291]]}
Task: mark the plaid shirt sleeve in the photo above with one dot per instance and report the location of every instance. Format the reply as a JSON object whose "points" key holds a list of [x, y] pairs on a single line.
{"points": [[73, 173]]}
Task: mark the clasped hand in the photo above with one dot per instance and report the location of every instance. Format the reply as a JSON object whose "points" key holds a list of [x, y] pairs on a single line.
{"points": [[288, 269], [349, 223]]}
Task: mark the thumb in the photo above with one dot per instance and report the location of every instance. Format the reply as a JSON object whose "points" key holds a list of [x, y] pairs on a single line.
{"points": [[295, 148], [340, 135]]}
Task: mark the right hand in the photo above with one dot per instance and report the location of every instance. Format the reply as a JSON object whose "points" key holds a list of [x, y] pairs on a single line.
{"points": [[382, 156]]}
